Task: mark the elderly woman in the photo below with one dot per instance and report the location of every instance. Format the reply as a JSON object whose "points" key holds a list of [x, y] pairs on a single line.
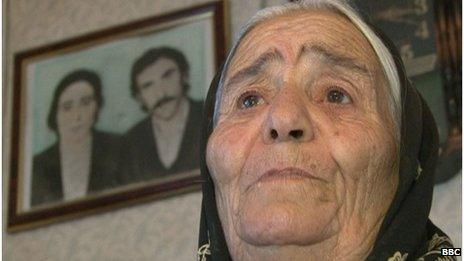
{"points": [[83, 160], [316, 146]]}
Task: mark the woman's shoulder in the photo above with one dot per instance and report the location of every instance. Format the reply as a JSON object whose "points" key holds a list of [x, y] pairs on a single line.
{"points": [[106, 137], [51, 152], [104, 141], [436, 241]]}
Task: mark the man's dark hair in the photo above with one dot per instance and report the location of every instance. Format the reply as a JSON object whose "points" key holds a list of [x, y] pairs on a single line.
{"points": [[151, 56], [76, 76]]}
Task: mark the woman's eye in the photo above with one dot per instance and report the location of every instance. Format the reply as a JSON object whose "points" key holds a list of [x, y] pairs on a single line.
{"points": [[87, 100], [248, 100], [338, 96], [67, 105]]}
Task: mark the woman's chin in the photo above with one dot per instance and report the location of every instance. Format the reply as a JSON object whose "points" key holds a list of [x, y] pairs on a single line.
{"points": [[285, 223]]}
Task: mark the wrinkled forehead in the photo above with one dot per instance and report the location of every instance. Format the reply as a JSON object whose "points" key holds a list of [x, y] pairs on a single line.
{"points": [[292, 33]]}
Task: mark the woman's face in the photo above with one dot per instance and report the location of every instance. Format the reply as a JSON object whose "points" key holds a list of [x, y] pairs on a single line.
{"points": [[304, 147], [77, 109]]}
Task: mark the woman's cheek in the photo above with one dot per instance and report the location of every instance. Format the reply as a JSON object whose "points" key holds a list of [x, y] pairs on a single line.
{"points": [[228, 148], [354, 146]]}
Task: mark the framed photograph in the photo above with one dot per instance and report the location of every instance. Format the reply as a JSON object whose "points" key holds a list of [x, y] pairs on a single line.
{"points": [[113, 117]]}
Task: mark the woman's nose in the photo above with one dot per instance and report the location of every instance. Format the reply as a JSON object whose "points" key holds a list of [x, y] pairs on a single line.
{"points": [[77, 114], [288, 119]]}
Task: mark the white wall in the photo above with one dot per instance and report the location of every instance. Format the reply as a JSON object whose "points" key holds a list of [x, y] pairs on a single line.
{"points": [[447, 208]]}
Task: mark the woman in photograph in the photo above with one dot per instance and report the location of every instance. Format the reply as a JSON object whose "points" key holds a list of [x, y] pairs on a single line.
{"points": [[83, 160]]}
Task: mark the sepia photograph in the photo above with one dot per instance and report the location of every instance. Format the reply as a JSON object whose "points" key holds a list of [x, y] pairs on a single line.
{"points": [[115, 113]]}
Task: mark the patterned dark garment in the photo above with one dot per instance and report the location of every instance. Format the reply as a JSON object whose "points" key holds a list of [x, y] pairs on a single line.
{"points": [[406, 232], [438, 241]]}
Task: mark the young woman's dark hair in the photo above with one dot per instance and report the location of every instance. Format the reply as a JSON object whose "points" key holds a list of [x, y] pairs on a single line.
{"points": [[151, 56], [76, 76]]}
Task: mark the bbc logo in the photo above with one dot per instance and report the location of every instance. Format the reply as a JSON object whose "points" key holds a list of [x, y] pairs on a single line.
{"points": [[450, 251]]}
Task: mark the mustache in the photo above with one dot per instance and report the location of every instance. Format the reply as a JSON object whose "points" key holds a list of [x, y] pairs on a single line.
{"points": [[163, 101]]}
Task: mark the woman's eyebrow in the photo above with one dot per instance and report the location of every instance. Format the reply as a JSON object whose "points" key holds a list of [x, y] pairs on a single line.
{"points": [[256, 67], [333, 58], [87, 97]]}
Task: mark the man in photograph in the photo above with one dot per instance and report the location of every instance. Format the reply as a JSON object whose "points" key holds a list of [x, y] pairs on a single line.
{"points": [[165, 142]]}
